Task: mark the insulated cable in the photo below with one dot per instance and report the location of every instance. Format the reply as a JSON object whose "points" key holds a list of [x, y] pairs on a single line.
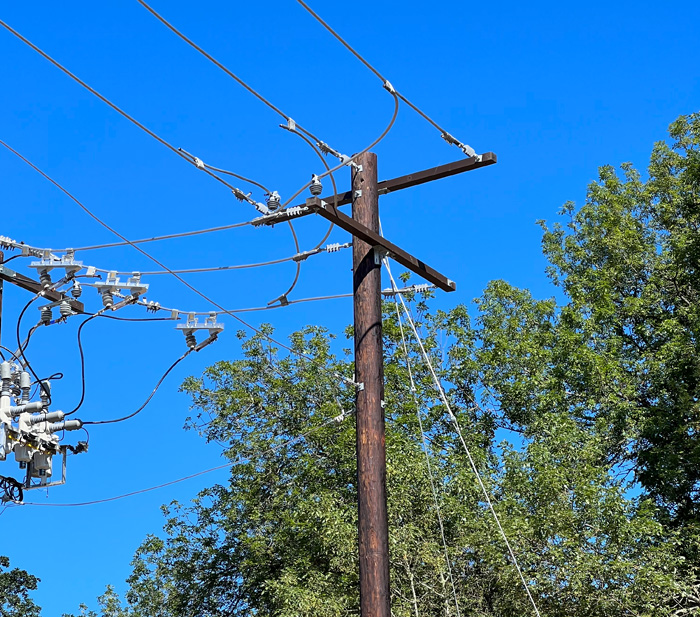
{"points": [[443, 133], [237, 192], [150, 396]]}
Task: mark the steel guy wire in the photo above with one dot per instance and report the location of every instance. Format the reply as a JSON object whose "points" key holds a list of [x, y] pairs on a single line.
{"points": [[453, 418], [469, 151], [191, 287], [237, 461], [237, 192], [426, 451]]}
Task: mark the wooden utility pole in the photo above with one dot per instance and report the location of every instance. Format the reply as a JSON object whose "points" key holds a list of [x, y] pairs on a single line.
{"points": [[373, 528]]}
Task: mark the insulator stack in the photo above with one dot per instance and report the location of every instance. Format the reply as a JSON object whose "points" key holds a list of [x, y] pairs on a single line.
{"points": [[46, 314], [316, 187], [191, 340], [107, 298], [45, 278], [65, 309], [77, 290]]}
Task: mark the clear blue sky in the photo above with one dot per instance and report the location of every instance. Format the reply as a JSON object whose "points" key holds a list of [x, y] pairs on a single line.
{"points": [[555, 89]]}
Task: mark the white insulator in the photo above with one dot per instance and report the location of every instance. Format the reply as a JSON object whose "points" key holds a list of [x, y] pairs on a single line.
{"points": [[46, 417], [315, 187], [65, 309], [46, 314], [67, 425], [274, 201]]}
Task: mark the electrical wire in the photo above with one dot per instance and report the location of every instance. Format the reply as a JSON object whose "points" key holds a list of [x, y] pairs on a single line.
{"points": [[453, 418], [150, 396], [82, 363], [235, 77], [120, 111], [240, 459], [444, 134], [191, 287]]}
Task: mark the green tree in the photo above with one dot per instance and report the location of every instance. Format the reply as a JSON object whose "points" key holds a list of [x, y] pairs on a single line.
{"points": [[15, 587], [581, 415]]}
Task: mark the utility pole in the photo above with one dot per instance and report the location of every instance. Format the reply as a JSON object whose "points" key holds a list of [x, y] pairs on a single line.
{"points": [[373, 531]]}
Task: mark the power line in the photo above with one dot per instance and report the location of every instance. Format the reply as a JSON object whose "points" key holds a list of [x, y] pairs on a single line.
{"points": [[468, 150], [177, 276], [150, 396], [237, 192], [241, 459], [226, 70]]}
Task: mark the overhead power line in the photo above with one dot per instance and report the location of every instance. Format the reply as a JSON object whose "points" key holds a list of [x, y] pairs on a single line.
{"points": [[241, 459], [237, 192], [160, 264], [468, 150]]}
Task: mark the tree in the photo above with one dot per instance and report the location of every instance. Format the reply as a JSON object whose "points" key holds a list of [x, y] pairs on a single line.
{"points": [[15, 585], [581, 416]]}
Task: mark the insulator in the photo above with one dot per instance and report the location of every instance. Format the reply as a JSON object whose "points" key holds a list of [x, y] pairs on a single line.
{"points": [[45, 278], [316, 187], [65, 309], [107, 298], [46, 314], [190, 339], [76, 290], [273, 201]]}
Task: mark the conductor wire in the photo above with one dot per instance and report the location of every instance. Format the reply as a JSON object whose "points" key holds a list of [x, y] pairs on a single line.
{"points": [[150, 396], [115, 107], [235, 77], [444, 134], [191, 287]]}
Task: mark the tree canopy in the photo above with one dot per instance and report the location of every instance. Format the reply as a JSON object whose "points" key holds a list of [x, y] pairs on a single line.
{"points": [[15, 588], [581, 412]]}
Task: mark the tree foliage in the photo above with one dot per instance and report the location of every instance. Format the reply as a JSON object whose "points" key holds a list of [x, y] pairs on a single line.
{"points": [[581, 413], [15, 588]]}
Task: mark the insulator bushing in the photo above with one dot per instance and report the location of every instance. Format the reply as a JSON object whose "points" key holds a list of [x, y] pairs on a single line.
{"points": [[76, 290], [46, 314], [273, 201], [107, 298], [191, 340], [45, 278], [315, 187], [65, 309]]}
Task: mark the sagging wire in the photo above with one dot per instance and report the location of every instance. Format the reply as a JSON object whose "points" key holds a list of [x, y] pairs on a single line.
{"points": [[237, 192], [150, 396], [243, 458], [177, 276], [450, 139], [455, 422]]}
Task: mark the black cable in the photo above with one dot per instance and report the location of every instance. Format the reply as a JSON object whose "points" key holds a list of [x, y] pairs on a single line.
{"points": [[82, 364], [13, 257], [54, 377], [150, 396], [42, 385]]}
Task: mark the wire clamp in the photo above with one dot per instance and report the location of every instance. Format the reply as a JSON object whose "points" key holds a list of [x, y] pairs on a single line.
{"points": [[380, 254], [291, 125], [199, 163], [357, 194], [389, 87]]}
